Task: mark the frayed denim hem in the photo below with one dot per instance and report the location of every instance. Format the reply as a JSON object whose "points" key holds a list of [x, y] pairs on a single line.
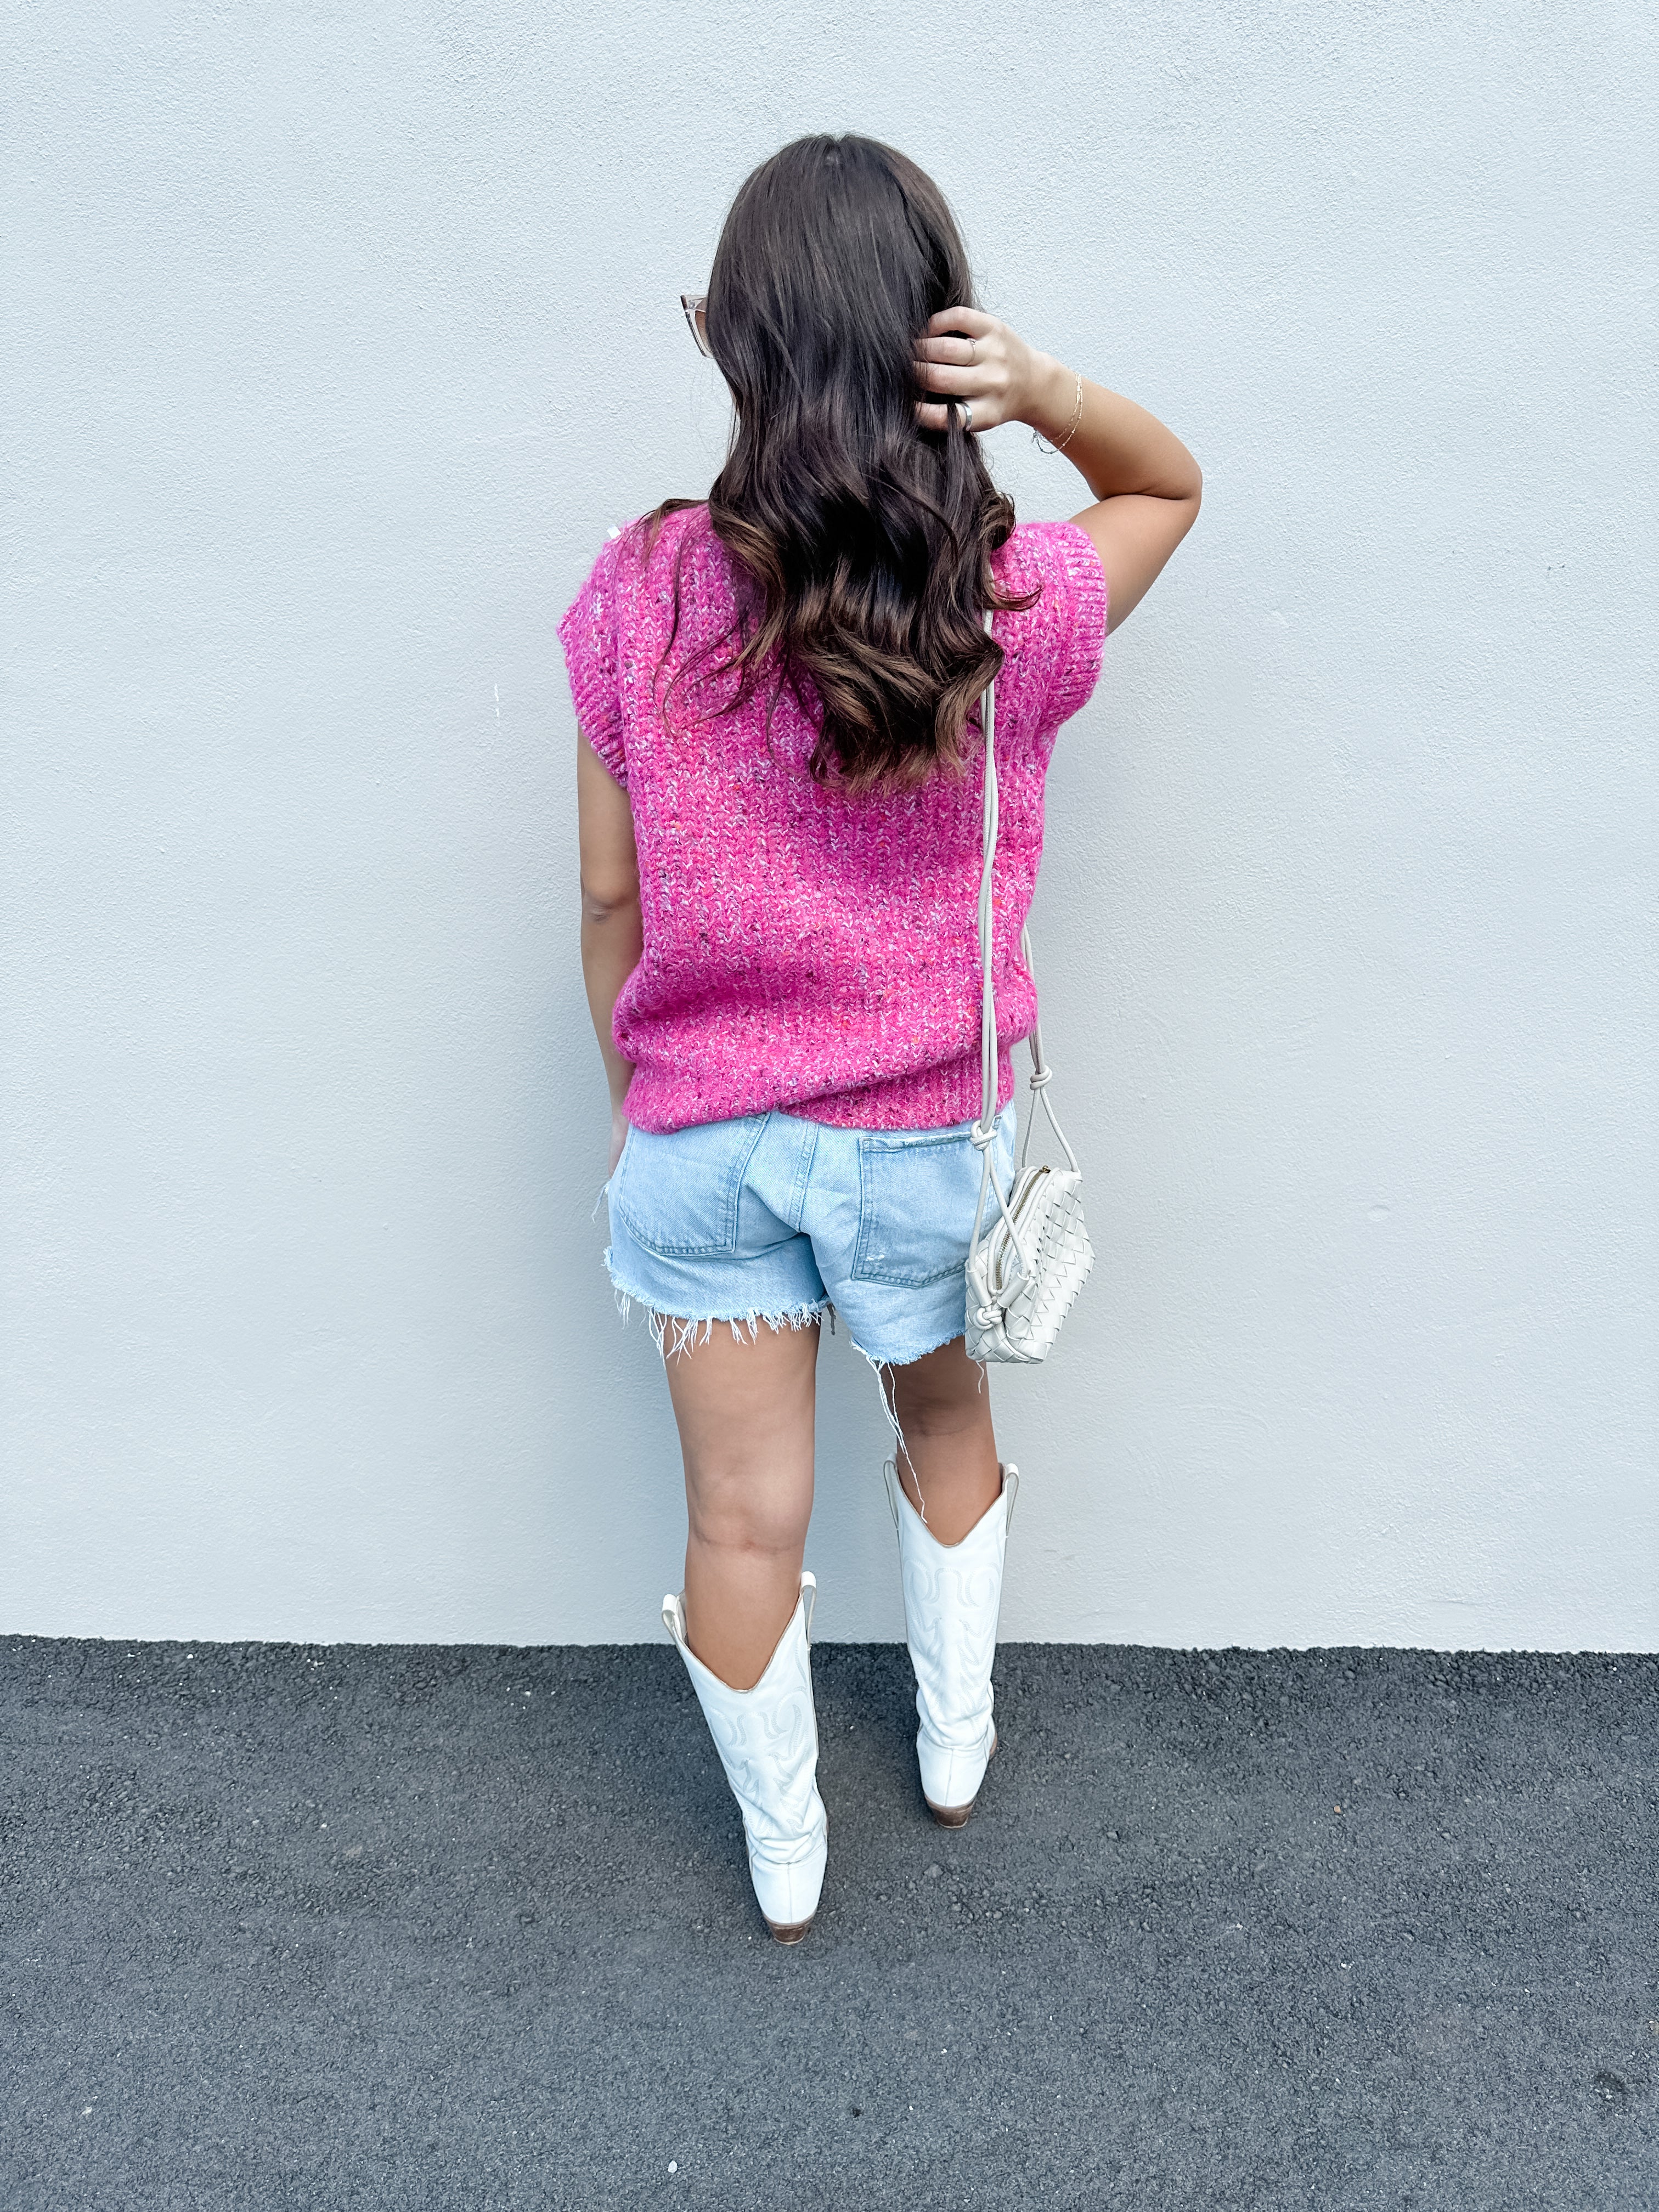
{"points": [[674, 1334]]}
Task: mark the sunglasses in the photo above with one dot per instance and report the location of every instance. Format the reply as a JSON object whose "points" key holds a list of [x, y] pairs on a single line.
{"points": [[696, 304]]}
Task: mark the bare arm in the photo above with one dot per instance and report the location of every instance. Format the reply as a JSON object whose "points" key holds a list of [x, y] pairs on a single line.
{"points": [[1146, 485], [612, 933]]}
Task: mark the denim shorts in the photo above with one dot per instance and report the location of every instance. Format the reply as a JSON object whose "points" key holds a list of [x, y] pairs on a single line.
{"points": [[773, 1217]]}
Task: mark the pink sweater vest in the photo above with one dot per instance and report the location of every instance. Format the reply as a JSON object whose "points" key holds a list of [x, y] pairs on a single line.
{"points": [[807, 947]]}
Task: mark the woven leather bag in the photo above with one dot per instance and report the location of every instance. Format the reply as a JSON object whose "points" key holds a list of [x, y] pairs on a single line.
{"points": [[1023, 1275]]}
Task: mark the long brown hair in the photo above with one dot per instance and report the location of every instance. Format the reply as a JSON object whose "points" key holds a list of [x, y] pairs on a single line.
{"points": [[866, 539]]}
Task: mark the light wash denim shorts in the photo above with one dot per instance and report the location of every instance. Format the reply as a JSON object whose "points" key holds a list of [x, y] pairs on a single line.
{"points": [[773, 1217]]}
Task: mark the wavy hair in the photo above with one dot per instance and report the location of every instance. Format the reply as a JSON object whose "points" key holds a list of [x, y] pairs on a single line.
{"points": [[866, 538]]}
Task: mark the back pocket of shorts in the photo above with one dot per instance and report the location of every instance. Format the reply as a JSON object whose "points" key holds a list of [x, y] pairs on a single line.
{"points": [[677, 1192], [916, 1200]]}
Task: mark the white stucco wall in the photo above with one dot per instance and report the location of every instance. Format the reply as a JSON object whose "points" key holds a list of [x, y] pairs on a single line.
{"points": [[336, 338]]}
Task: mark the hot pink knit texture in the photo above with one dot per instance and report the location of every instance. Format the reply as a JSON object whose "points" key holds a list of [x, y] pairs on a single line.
{"points": [[808, 947]]}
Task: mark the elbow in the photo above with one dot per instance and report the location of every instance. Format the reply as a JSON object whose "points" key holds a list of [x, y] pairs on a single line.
{"points": [[1190, 498], [607, 898]]}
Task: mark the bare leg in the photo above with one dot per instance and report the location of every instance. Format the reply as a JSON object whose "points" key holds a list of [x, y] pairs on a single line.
{"points": [[744, 1411], [948, 1462]]}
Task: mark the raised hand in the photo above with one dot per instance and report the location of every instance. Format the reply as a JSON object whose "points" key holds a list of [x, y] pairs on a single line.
{"points": [[972, 356]]}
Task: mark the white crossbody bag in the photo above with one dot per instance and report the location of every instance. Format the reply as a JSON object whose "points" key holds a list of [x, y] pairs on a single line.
{"points": [[1025, 1273]]}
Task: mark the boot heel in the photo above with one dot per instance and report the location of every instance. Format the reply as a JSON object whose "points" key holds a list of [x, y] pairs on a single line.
{"points": [[791, 1934], [956, 1816]]}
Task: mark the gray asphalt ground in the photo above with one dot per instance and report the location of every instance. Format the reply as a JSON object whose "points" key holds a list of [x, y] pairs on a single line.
{"points": [[471, 1928]]}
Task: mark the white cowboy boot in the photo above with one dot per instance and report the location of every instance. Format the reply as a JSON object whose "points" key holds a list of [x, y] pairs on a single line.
{"points": [[768, 1740], [951, 1595]]}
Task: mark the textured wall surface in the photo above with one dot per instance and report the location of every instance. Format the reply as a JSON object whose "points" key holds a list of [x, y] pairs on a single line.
{"points": [[336, 340]]}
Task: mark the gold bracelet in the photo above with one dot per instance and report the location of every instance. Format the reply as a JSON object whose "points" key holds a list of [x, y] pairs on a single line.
{"points": [[1077, 416]]}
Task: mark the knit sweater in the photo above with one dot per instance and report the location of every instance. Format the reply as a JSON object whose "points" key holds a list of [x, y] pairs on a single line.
{"points": [[806, 946]]}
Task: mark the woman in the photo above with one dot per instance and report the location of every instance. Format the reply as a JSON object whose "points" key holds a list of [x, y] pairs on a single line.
{"points": [[780, 783]]}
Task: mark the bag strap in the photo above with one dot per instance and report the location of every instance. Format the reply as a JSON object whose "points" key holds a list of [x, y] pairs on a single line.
{"points": [[985, 1129]]}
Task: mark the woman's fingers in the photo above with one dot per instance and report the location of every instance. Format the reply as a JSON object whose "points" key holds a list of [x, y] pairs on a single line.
{"points": [[962, 351], [931, 417], [947, 376], [963, 385], [974, 320]]}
